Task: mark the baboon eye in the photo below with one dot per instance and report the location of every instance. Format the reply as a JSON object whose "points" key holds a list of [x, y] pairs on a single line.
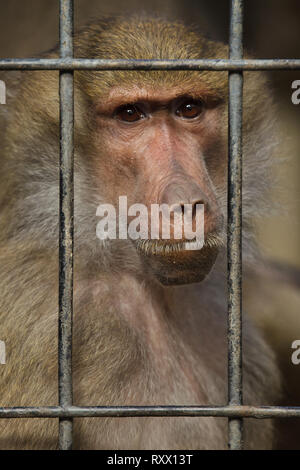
{"points": [[129, 113], [190, 109]]}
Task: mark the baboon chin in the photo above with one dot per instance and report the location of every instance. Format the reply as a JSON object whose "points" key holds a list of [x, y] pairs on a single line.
{"points": [[172, 265]]}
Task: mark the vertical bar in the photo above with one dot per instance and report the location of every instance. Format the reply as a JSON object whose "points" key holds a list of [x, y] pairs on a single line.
{"points": [[234, 246], [66, 229]]}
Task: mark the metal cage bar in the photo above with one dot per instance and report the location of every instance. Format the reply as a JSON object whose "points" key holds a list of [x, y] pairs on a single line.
{"points": [[139, 64], [234, 226], [229, 411], [66, 229], [66, 64]]}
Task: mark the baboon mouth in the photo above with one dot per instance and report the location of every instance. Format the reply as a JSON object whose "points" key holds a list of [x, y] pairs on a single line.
{"points": [[167, 247], [182, 262]]}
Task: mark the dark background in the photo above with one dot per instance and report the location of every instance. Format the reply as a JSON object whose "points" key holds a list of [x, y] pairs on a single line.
{"points": [[272, 30]]}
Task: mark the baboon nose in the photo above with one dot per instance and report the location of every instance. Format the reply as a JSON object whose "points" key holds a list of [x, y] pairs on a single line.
{"points": [[187, 197], [188, 201]]}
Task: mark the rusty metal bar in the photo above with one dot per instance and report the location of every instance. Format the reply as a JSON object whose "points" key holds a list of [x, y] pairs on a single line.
{"points": [[257, 412], [234, 247], [133, 64], [66, 229]]}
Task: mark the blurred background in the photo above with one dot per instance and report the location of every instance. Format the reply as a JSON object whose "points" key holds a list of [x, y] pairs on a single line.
{"points": [[272, 30]]}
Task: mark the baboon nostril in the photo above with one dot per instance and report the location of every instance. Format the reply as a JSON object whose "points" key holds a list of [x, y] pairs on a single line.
{"points": [[194, 208]]}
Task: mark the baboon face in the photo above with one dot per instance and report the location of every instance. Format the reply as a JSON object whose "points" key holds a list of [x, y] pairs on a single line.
{"points": [[159, 138], [155, 143]]}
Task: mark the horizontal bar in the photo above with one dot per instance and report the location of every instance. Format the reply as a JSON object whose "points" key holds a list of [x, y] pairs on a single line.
{"points": [[131, 64], [232, 411]]}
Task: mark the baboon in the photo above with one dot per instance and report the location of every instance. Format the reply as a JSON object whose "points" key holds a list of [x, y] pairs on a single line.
{"points": [[150, 317]]}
